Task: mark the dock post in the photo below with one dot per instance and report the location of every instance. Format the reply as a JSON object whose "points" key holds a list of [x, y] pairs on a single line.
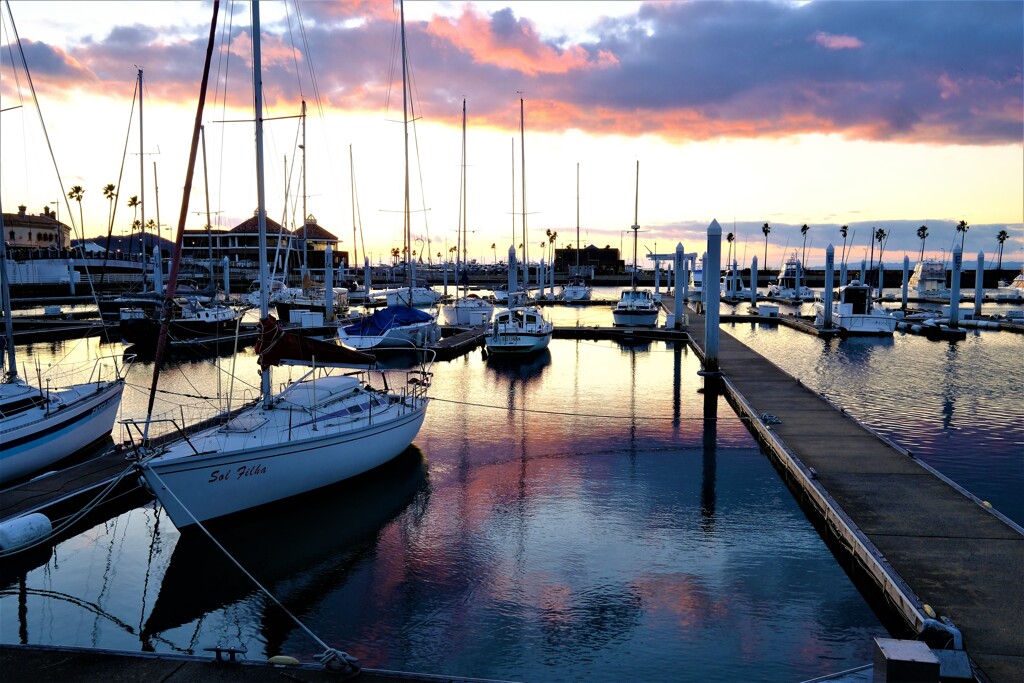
{"points": [[830, 271], [796, 280], [710, 293], [979, 284], [954, 287], [226, 265], [906, 281], [863, 271], [328, 283], [842, 274], [657, 278], [881, 278], [158, 271], [71, 275], [753, 282], [511, 271], [678, 300], [685, 278], [542, 279], [446, 279], [703, 282], [366, 279], [737, 284]]}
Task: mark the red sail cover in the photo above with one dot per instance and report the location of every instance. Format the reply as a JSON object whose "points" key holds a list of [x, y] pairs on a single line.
{"points": [[276, 345]]}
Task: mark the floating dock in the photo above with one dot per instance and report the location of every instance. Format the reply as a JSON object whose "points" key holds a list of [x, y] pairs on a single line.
{"points": [[901, 525]]}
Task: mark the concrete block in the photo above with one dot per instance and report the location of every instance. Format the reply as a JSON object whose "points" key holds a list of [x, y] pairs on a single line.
{"points": [[904, 661]]}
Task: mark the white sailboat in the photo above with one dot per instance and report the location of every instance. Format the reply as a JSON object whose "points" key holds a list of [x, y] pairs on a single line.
{"points": [[518, 330], [468, 309], [41, 425], [319, 430], [576, 289], [635, 307]]}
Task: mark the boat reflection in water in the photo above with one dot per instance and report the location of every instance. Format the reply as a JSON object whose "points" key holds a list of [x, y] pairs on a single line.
{"points": [[299, 550], [519, 368]]}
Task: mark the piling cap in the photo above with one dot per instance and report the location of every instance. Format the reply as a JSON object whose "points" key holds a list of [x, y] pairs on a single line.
{"points": [[830, 250], [679, 247], [714, 228]]}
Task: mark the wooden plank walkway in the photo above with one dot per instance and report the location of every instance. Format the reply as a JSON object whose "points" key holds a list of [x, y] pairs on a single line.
{"points": [[955, 554]]}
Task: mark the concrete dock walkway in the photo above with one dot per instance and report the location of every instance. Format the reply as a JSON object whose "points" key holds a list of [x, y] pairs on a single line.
{"points": [[953, 553]]}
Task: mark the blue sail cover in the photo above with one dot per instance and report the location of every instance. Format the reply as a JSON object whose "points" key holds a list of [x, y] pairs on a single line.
{"points": [[386, 318]]}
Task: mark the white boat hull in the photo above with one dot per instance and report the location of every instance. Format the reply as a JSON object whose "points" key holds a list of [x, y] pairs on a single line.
{"points": [[517, 343], [421, 296], [415, 336], [37, 440], [575, 293], [634, 318], [881, 324], [287, 462]]}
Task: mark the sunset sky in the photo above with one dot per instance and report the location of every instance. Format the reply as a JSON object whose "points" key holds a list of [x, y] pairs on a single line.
{"points": [[871, 114]]}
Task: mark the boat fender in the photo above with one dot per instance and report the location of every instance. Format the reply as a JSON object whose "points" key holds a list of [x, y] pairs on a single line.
{"points": [[283, 660], [928, 610], [24, 530]]}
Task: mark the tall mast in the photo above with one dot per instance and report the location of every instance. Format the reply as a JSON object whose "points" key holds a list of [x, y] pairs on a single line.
{"points": [[261, 199], [305, 235], [406, 228], [209, 225], [522, 164], [636, 220], [465, 201], [577, 218], [513, 193], [142, 190], [5, 293], [352, 175]]}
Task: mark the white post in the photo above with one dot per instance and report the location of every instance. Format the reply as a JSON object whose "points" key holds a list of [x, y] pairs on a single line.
{"points": [[796, 280], [704, 281], [954, 287], [511, 271], [366, 279], [158, 271], [753, 282], [328, 284], [711, 268], [225, 262], [680, 286], [881, 277], [979, 284], [657, 277], [686, 279], [446, 280], [542, 279], [830, 271], [71, 275], [906, 281]]}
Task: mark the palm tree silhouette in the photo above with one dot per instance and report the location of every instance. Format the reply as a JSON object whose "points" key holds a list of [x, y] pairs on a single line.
{"points": [[962, 228], [843, 231], [766, 229], [133, 203], [730, 238], [803, 231], [1001, 237], [76, 193], [922, 233], [494, 250], [110, 195]]}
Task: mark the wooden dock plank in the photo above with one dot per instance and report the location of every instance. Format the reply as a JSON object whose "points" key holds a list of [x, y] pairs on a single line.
{"points": [[957, 556]]}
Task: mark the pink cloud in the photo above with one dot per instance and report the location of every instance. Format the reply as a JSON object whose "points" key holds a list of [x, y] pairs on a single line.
{"points": [[831, 41]]}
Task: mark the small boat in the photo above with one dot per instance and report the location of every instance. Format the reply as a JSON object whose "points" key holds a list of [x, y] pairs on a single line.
{"points": [[393, 327], [518, 330], [468, 309], [190, 320], [786, 286], [294, 299], [411, 296], [696, 281], [732, 284], [928, 281], [576, 289], [635, 307], [1014, 291], [855, 312]]}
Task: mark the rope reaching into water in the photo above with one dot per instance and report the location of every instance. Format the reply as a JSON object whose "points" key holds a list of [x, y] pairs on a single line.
{"points": [[332, 659]]}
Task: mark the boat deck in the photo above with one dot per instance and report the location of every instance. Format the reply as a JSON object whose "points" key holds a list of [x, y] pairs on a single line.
{"points": [[916, 535]]}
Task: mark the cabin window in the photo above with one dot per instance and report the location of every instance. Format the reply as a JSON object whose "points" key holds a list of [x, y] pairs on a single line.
{"points": [[531, 320]]}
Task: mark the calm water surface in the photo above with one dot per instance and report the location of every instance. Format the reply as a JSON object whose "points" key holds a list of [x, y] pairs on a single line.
{"points": [[586, 516]]}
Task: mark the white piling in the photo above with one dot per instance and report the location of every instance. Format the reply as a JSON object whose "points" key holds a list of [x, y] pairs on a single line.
{"points": [[753, 282], [366, 279], [954, 287], [685, 277], [158, 271], [796, 280], [328, 284], [906, 282], [863, 271], [226, 264], [830, 271], [511, 271], [657, 277], [71, 275], [542, 279], [979, 284], [677, 266], [711, 268]]}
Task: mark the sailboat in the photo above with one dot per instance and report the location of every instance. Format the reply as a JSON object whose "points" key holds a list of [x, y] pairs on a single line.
{"points": [[635, 307], [317, 431], [520, 329], [468, 309], [41, 425], [399, 325], [576, 289]]}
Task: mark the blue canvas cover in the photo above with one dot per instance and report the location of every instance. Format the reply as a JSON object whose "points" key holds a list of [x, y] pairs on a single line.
{"points": [[384, 319]]}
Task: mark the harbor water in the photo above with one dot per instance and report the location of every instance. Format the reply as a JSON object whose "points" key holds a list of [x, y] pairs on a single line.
{"points": [[591, 514]]}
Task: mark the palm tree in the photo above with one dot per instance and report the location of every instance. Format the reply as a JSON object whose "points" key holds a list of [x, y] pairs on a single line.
{"points": [[766, 229], [881, 236], [110, 195], [76, 193], [730, 238], [152, 228], [843, 231], [962, 228], [133, 203], [922, 233], [494, 250], [803, 231], [871, 263], [1001, 237], [395, 253]]}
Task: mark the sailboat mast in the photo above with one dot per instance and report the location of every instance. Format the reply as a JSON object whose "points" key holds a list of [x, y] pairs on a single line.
{"points": [[522, 171], [209, 225], [465, 201], [352, 176], [577, 218], [636, 220], [5, 292], [261, 199], [142, 191], [305, 236], [406, 228]]}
